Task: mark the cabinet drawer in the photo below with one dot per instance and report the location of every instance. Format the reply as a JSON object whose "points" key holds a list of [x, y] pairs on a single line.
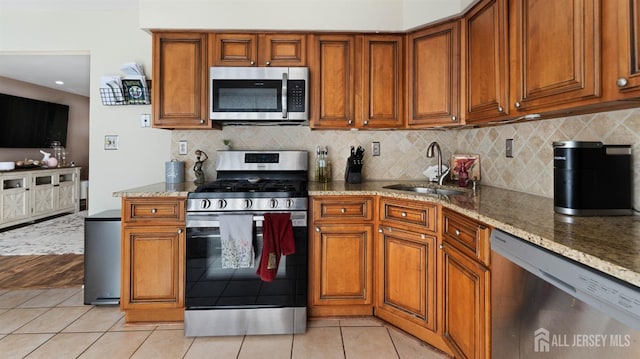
{"points": [[342, 209], [412, 213], [169, 210], [466, 235]]}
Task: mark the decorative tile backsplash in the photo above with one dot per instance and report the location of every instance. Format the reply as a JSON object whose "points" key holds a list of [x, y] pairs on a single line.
{"points": [[403, 153]]}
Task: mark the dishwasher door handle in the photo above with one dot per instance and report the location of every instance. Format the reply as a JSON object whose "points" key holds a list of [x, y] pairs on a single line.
{"points": [[558, 282]]}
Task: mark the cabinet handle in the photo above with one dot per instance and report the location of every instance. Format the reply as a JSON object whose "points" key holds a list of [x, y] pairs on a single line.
{"points": [[252, 62], [268, 63], [366, 122], [201, 122], [403, 214], [440, 246], [318, 229], [423, 236], [343, 210], [154, 211], [179, 230], [350, 122], [622, 82], [380, 230], [517, 104], [457, 232], [454, 119], [500, 109]]}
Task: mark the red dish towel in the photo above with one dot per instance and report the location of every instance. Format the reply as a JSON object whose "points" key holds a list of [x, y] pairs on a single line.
{"points": [[278, 240]]}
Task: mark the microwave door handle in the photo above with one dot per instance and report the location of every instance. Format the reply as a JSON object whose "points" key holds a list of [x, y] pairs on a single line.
{"points": [[284, 95]]}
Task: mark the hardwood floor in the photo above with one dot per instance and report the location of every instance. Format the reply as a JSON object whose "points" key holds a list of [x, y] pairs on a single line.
{"points": [[51, 271]]}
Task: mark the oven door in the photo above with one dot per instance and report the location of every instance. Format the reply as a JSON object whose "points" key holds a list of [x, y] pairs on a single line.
{"points": [[210, 286]]}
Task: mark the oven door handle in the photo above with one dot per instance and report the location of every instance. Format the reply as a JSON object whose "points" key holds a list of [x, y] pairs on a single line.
{"points": [[298, 219]]}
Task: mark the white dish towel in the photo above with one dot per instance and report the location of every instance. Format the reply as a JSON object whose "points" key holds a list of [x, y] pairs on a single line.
{"points": [[236, 237]]}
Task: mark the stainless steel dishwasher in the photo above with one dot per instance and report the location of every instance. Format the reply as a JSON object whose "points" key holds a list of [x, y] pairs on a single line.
{"points": [[547, 306]]}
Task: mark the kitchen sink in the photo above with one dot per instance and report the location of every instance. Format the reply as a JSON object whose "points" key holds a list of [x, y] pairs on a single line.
{"points": [[425, 189]]}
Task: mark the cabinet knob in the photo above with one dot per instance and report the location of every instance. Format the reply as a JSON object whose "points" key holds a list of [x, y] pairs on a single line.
{"points": [[154, 211], [268, 63], [500, 109], [343, 210], [440, 246], [179, 230], [318, 229], [380, 230], [252, 62], [457, 232], [622, 82], [454, 118], [202, 122], [403, 214], [517, 104], [350, 122], [366, 122]]}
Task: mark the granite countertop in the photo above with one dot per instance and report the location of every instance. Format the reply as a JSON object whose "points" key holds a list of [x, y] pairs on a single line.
{"points": [[609, 244]]}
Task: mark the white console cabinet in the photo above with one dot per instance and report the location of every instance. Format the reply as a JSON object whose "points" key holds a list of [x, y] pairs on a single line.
{"points": [[27, 195]]}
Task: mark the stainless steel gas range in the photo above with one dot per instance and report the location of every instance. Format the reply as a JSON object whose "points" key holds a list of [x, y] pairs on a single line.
{"points": [[247, 246]]}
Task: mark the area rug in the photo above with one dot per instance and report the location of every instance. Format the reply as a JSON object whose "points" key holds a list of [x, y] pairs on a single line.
{"points": [[60, 235]]}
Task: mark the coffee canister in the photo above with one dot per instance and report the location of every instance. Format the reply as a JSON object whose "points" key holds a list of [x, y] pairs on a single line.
{"points": [[174, 171]]}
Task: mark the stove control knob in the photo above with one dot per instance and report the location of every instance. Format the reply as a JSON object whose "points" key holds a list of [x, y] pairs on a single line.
{"points": [[273, 203], [248, 203], [222, 203], [205, 204], [288, 203]]}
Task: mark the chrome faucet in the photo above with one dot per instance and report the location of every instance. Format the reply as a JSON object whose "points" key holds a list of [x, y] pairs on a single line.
{"points": [[440, 176]]}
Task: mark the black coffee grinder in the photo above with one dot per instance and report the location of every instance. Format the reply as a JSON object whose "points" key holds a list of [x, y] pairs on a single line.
{"points": [[592, 179], [353, 172]]}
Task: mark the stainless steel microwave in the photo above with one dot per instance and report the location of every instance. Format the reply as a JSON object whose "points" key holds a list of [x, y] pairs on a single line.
{"points": [[259, 95]]}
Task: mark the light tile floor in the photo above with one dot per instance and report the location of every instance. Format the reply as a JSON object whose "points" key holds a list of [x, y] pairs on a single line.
{"points": [[54, 323]]}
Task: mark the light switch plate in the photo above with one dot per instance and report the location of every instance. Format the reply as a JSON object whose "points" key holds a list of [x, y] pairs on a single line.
{"points": [[182, 147], [145, 120], [375, 148], [509, 148]]}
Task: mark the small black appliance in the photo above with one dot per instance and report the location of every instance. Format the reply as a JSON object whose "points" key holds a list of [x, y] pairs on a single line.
{"points": [[592, 179]]}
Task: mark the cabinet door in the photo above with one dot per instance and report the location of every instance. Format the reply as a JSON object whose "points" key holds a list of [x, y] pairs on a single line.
{"points": [[332, 76], [555, 52], [434, 76], [45, 195], [466, 292], [342, 264], [153, 267], [382, 79], [628, 17], [406, 284], [15, 198], [67, 193], [282, 50], [233, 49], [180, 81], [486, 61]]}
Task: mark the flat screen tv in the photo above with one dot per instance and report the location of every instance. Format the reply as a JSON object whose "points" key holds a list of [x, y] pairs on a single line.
{"points": [[29, 123]]}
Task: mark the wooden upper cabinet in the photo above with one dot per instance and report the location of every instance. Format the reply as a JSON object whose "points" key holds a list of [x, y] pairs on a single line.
{"points": [[434, 76], [628, 20], [251, 49], [332, 67], [486, 58], [556, 53], [180, 81], [382, 79]]}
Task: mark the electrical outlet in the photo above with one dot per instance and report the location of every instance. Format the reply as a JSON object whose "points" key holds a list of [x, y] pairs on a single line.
{"points": [[509, 148], [375, 148], [145, 120], [182, 147]]}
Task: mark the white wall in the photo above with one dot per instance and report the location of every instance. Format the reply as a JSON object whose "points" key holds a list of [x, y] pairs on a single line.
{"points": [[112, 37]]}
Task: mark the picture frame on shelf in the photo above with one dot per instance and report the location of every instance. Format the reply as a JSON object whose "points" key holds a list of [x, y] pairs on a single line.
{"points": [[470, 161]]}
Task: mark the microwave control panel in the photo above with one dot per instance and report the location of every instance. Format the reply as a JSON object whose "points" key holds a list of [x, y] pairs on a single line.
{"points": [[296, 96]]}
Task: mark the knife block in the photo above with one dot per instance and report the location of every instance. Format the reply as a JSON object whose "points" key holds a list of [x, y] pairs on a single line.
{"points": [[353, 172]]}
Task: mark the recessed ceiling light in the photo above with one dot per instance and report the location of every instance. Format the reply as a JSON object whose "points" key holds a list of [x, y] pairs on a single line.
{"points": [[59, 82]]}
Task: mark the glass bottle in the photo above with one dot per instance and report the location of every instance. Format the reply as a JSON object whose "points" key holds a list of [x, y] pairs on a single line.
{"points": [[59, 153]]}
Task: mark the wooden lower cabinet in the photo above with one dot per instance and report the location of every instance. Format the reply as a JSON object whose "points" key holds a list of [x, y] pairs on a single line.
{"points": [[466, 298], [342, 269], [153, 260]]}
